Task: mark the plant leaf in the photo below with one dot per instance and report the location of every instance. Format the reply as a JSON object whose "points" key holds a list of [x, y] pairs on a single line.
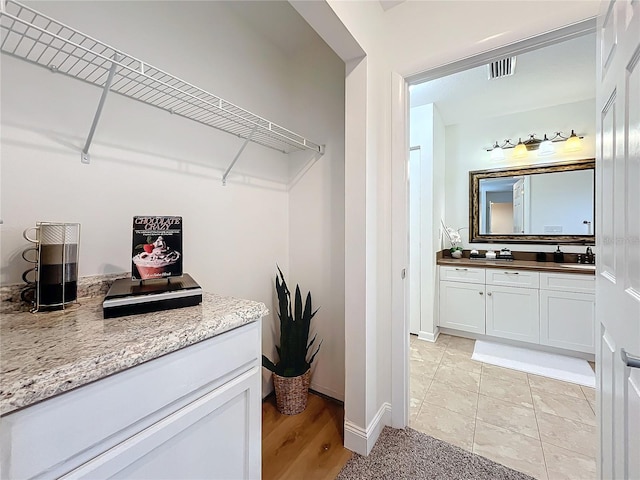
{"points": [[314, 355], [268, 364]]}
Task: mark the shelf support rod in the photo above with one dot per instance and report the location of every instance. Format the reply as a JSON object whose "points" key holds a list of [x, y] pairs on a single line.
{"points": [[246, 141], [84, 156]]}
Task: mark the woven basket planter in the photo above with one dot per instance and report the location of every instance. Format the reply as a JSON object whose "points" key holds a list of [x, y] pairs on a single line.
{"points": [[292, 392]]}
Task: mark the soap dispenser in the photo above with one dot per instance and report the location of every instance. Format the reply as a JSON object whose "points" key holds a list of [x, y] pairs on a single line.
{"points": [[558, 256]]}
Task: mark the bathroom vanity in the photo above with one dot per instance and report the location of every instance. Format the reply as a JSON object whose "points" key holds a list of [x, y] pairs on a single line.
{"points": [[170, 394], [530, 302]]}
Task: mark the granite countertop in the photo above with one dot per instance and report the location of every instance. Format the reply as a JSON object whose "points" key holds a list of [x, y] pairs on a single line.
{"points": [[519, 264], [48, 353]]}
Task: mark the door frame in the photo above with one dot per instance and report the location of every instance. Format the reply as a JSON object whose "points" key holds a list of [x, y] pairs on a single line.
{"points": [[400, 83]]}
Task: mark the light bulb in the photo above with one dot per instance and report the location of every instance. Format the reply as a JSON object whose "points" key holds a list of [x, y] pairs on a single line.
{"points": [[573, 143], [520, 150], [546, 147], [497, 153]]}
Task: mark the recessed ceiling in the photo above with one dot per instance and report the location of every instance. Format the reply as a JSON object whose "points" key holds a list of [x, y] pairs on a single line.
{"points": [[554, 75]]}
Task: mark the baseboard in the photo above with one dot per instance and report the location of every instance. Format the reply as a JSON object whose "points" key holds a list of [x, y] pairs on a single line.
{"points": [[362, 441], [428, 336], [327, 392]]}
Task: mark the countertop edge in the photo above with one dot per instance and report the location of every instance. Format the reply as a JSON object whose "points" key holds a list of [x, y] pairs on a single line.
{"points": [[514, 264]]}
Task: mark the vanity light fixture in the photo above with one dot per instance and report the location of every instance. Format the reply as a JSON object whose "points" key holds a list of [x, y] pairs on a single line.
{"points": [[544, 146]]}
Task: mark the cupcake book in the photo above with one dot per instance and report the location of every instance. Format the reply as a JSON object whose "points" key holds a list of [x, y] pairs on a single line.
{"points": [[157, 247]]}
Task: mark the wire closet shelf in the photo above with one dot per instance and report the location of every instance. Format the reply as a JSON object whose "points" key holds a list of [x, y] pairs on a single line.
{"points": [[36, 38]]}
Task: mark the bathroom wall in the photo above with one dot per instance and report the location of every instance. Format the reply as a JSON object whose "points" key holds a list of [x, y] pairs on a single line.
{"points": [[465, 151], [147, 162]]}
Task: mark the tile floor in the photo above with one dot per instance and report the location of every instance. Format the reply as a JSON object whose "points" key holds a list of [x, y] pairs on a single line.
{"points": [[543, 427]]}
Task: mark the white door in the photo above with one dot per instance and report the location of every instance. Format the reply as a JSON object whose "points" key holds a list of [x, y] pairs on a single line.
{"points": [[618, 238], [415, 256], [518, 206]]}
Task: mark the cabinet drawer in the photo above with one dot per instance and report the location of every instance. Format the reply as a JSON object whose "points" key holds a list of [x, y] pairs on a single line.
{"points": [[568, 282], [513, 278], [462, 274]]}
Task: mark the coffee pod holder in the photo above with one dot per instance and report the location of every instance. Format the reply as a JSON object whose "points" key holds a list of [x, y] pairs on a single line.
{"points": [[55, 271]]}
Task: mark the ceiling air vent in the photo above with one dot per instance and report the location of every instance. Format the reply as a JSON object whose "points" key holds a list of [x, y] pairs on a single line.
{"points": [[502, 68]]}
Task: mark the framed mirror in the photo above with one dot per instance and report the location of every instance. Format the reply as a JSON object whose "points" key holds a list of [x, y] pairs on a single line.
{"points": [[534, 204]]}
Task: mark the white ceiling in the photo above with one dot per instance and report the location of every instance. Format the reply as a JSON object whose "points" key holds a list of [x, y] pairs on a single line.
{"points": [[388, 4], [554, 75]]}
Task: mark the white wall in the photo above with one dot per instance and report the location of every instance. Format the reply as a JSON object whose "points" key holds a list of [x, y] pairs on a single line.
{"points": [[412, 37], [316, 208], [562, 199], [465, 152], [145, 161]]}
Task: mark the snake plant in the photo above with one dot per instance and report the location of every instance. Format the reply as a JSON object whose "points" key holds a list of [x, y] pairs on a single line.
{"points": [[294, 346]]}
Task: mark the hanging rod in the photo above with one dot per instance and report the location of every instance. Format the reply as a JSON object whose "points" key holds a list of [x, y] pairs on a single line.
{"points": [[41, 40]]}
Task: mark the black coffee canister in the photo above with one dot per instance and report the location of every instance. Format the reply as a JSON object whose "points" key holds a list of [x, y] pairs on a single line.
{"points": [[541, 257]]}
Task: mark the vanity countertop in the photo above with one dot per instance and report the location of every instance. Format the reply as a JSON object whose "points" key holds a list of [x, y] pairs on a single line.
{"points": [[519, 264], [48, 353]]}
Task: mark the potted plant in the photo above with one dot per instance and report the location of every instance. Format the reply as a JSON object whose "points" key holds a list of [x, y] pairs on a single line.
{"points": [[292, 373], [454, 239]]}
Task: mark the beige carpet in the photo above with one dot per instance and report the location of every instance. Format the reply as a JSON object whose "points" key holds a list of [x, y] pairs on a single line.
{"points": [[409, 454]]}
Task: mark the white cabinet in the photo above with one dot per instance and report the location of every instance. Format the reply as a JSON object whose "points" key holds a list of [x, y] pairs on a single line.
{"points": [[192, 413], [462, 306], [512, 304], [552, 309], [512, 312], [567, 311]]}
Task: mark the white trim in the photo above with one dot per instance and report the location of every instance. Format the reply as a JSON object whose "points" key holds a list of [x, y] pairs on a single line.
{"points": [[428, 336], [361, 441], [400, 251]]}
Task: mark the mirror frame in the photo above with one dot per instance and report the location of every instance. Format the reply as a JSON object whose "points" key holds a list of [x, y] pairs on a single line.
{"points": [[474, 200]]}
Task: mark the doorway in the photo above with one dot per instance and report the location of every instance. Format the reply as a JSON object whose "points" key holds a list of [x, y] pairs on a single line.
{"points": [[445, 362]]}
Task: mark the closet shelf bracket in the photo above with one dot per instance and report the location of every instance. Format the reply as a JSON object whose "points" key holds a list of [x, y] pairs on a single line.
{"points": [[246, 140], [84, 155]]}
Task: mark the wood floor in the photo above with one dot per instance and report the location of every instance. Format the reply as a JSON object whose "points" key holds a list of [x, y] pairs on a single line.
{"points": [[307, 445]]}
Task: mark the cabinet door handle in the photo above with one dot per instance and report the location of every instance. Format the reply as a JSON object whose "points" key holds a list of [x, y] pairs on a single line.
{"points": [[630, 360], [512, 273], [481, 293], [463, 269], [489, 294]]}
